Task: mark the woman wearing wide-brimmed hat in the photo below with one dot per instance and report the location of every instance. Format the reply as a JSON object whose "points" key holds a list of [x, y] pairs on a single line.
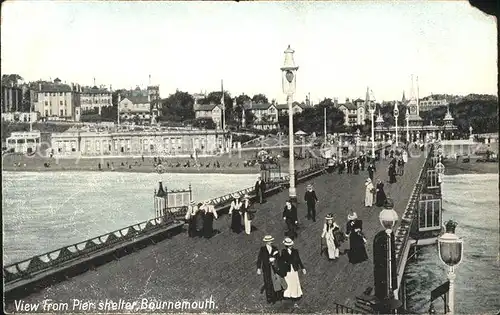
{"points": [[192, 209], [208, 220], [267, 264], [292, 264], [234, 212], [333, 237], [247, 214], [369, 190], [354, 229]]}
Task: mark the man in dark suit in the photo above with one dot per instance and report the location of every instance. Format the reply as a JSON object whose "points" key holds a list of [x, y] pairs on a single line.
{"points": [[267, 264], [290, 217], [371, 169], [311, 200], [260, 188]]}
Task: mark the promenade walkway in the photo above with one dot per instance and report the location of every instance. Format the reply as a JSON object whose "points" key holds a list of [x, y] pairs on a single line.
{"points": [[224, 267]]}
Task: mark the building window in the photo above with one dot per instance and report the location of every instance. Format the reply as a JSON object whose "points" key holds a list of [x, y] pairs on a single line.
{"points": [[60, 103], [46, 103], [62, 112]]}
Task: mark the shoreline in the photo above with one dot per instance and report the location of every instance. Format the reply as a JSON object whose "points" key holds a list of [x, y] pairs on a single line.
{"points": [[138, 170], [458, 168]]}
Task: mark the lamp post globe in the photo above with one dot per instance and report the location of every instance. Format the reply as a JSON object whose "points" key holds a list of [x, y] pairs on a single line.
{"points": [[289, 78], [388, 217], [450, 248]]}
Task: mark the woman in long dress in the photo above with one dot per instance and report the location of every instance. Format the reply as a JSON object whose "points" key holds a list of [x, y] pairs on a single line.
{"points": [[235, 214], [291, 265], [330, 234], [369, 190], [199, 220], [208, 221], [191, 218], [354, 229], [247, 214], [392, 173], [381, 197]]}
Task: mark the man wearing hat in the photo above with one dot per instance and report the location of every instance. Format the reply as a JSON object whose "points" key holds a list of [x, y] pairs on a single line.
{"points": [[292, 264], [190, 218], [267, 265], [371, 169], [247, 214], [290, 217], [311, 200], [260, 188]]}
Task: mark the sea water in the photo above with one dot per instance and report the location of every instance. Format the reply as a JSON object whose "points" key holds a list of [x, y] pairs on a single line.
{"points": [[48, 210], [472, 201]]}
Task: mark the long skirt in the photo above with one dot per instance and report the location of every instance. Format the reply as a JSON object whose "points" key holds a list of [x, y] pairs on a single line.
{"points": [[381, 198], [293, 289], [333, 251], [357, 250], [208, 226], [248, 223], [368, 198], [236, 222]]}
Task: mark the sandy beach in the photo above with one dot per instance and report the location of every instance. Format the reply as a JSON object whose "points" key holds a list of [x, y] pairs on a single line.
{"points": [[226, 165]]}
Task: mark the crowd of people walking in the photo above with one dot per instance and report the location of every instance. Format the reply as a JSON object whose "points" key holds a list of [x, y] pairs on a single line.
{"points": [[280, 269]]}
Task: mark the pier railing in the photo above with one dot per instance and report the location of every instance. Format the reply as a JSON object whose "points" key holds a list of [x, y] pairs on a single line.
{"points": [[28, 268], [411, 211]]}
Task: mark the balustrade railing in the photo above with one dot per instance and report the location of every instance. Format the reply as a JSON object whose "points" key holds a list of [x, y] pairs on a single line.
{"points": [[404, 229]]}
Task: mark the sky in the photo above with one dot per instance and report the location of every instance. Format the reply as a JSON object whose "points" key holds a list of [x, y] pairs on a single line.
{"points": [[340, 47]]}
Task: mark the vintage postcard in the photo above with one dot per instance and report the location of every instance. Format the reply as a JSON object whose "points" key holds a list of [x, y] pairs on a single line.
{"points": [[249, 157]]}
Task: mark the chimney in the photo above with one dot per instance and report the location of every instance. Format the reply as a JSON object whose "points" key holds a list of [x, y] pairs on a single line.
{"points": [[39, 87]]}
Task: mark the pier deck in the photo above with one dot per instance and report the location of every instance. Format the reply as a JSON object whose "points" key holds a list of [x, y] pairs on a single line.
{"points": [[224, 267]]}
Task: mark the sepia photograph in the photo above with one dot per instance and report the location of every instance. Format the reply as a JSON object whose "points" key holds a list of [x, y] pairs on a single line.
{"points": [[242, 157]]}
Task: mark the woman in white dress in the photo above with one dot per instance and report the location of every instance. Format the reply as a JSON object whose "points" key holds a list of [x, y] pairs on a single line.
{"points": [[291, 264], [331, 235], [247, 214], [234, 212], [369, 193]]}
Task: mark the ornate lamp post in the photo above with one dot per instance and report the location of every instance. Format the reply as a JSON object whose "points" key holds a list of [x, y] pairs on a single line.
{"points": [[388, 218], [372, 113], [450, 248], [289, 80], [407, 125], [396, 115], [440, 171]]}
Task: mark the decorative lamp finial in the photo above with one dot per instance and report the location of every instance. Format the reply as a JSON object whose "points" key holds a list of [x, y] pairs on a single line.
{"points": [[450, 226]]}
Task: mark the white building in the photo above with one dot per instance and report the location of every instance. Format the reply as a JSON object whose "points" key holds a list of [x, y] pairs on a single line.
{"points": [[430, 102], [159, 142], [136, 108], [23, 142], [212, 111], [58, 101], [95, 97]]}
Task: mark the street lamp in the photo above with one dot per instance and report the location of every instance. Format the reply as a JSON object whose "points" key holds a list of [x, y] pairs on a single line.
{"points": [[388, 218], [407, 125], [289, 80], [440, 171], [396, 115], [450, 248]]}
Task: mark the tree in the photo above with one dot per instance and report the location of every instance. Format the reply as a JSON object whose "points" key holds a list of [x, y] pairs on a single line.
{"points": [[260, 98], [109, 113], [178, 107], [206, 123], [10, 79], [242, 99]]}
